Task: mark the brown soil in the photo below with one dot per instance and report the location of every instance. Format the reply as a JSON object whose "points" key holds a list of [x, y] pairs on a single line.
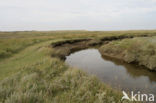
{"points": [[65, 48]]}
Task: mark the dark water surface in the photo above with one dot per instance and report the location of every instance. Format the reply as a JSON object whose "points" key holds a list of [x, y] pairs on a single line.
{"points": [[117, 74]]}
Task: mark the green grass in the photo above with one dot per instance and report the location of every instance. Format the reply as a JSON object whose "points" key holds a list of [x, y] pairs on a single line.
{"points": [[33, 76], [13, 42], [9, 47], [25, 57], [141, 50], [28, 73]]}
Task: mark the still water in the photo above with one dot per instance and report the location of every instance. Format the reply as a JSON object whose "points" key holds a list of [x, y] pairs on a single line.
{"points": [[117, 74]]}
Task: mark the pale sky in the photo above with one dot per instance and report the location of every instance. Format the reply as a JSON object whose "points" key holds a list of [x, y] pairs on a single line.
{"points": [[77, 14]]}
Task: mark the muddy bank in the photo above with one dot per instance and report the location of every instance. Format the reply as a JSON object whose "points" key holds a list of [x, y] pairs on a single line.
{"points": [[98, 41], [68, 42], [65, 48]]}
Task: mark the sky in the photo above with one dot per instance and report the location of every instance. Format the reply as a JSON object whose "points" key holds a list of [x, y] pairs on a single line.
{"points": [[20, 15]]}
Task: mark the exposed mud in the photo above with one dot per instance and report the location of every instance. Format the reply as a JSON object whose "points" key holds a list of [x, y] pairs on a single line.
{"points": [[94, 42], [65, 48], [61, 43]]}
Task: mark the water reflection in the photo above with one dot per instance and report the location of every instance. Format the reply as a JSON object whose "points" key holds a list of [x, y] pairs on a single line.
{"points": [[118, 74], [133, 70]]}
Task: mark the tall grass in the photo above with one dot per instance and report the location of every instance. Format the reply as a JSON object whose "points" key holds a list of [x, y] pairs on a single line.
{"points": [[48, 80], [138, 50], [12, 46]]}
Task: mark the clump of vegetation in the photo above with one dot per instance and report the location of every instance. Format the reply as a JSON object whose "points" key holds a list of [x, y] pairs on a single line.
{"points": [[137, 50]]}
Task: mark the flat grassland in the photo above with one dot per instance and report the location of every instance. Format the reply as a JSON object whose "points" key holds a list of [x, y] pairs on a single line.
{"points": [[28, 73]]}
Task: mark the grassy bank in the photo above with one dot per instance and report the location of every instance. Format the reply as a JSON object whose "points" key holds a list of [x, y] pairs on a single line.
{"points": [[28, 73], [137, 50], [36, 77]]}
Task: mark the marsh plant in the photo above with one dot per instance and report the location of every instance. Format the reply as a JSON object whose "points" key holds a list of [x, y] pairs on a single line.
{"points": [[28, 73]]}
